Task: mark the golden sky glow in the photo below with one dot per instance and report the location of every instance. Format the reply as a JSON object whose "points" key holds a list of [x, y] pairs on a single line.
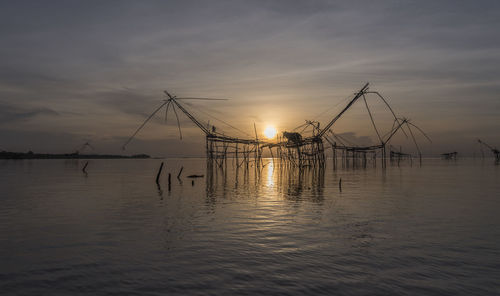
{"points": [[279, 64]]}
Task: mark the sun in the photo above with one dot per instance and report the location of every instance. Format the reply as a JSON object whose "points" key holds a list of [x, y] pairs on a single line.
{"points": [[270, 132]]}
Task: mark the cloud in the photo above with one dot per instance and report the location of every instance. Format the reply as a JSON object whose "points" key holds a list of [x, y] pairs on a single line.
{"points": [[102, 66], [10, 113]]}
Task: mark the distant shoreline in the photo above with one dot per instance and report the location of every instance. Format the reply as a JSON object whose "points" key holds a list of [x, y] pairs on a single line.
{"points": [[32, 155]]}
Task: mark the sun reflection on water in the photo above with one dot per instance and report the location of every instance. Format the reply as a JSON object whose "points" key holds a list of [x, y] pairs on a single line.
{"points": [[270, 173]]}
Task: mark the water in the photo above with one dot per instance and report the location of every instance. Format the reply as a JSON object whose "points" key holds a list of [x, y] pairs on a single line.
{"points": [[407, 230]]}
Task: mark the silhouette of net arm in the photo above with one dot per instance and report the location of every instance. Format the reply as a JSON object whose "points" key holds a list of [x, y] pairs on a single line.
{"points": [[143, 124]]}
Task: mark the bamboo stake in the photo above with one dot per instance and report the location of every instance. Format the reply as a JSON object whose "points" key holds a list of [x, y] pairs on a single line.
{"points": [[159, 173], [180, 172], [169, 181], [84, 169]]}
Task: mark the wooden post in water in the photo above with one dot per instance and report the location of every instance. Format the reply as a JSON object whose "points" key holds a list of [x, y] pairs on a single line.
{"points": [[334, 149], [236, 152], [84, 169], [169, 181], [159, 173], [340, 184], [180, 172], [383, 157]]}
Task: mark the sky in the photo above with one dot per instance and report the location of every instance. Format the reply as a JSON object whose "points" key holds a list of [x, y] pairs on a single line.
{"points": [[78, 71]]}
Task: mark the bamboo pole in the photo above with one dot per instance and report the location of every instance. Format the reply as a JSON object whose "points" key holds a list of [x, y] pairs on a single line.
{"points": [[159, 173]]}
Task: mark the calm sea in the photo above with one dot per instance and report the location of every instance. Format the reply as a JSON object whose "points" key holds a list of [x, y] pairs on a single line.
{"points": [[430, 229]]}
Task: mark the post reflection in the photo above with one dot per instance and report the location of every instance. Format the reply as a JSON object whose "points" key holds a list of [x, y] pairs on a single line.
{"points": [[270, 173], [270, 179]]}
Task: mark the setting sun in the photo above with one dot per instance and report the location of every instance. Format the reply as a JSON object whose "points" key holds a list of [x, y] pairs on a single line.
{"points": [[270, 132]]}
